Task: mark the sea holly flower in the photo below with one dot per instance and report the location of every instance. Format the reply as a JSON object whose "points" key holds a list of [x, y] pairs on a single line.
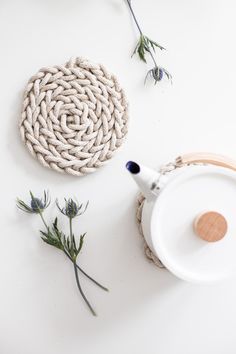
{"points": [[53, 236], [157, 73], [72, 208], [146, 46], [36, 206]]}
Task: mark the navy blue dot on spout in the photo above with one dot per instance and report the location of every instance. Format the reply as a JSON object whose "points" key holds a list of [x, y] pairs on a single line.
{"points": [[133, 167]]}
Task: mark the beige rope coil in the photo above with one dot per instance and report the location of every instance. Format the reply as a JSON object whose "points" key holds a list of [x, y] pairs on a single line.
{"points": [[74, 116], [147, 250]]}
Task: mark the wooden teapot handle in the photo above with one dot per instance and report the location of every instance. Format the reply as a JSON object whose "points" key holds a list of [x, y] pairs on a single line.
{"points": [[208, 158]]}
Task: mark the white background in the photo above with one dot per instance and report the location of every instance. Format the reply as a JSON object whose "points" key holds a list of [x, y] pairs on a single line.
{"points": [[147, 310]]}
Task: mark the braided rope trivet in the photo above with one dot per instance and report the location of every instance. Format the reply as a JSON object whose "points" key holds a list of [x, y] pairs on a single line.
{"points": [[148, 252], [74, 116]]}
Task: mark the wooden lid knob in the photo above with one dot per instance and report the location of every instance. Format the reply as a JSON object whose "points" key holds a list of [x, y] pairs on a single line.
{"points": [[210, 226]]}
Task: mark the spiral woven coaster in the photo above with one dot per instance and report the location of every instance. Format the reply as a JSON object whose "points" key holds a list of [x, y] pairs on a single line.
{"points": [[149, 254], [74, 116]]}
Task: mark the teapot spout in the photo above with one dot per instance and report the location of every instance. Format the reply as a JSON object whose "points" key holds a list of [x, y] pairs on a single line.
{"points": [[144, 177]]}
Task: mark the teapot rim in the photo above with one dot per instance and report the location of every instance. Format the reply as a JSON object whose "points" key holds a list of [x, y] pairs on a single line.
{"points": [[183, 174]]}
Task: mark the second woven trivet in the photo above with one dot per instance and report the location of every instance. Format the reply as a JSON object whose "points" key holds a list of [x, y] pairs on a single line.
{"points": [[74, 116], [149, 254]]}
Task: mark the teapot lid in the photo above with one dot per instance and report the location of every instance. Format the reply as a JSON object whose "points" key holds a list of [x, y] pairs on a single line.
{"points": [[193, 224]]}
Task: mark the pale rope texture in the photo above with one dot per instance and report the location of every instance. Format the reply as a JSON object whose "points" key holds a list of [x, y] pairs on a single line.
{"points": [[74, 116], [150, 255]]}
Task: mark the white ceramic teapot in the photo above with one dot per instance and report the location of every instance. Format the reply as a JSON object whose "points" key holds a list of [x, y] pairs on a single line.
{"points": [[189, 215]]}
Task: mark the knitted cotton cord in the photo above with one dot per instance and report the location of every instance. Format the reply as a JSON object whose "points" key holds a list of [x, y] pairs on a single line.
{"points": [[74, 116]]}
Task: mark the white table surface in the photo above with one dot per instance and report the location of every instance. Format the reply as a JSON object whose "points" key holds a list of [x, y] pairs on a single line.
{"points": [[147, 310]]}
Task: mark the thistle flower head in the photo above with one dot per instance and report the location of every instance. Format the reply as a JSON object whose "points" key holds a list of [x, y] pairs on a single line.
{"points": [[36, 206], [72, 208], [158, 73]]}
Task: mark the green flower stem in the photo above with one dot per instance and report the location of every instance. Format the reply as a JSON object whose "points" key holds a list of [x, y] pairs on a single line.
{"points": [[71, 233], [134, 17], [140, 31], [68, 256], [77, 275], [88, 276], [81, 291], [43, 220], [152, 56]]}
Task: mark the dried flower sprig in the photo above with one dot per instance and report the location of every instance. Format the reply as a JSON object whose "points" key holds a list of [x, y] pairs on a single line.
{"points": [[72, 208], [146, 46], [36, 205], [56, 238]]}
